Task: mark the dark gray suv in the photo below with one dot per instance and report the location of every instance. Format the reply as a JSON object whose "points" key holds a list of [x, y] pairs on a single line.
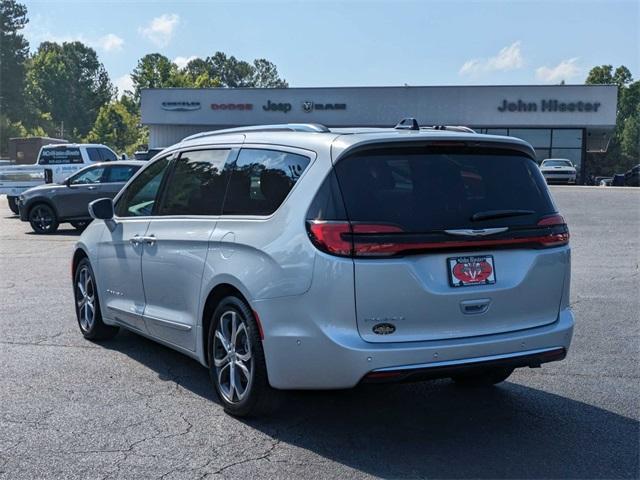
{"points": [[46, 206]]}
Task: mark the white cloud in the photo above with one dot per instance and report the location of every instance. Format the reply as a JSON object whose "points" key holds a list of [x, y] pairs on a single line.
{"points": [[181, 62], [508, 58], [160, 29], [110, 43], [124, 83], [565, 70]]}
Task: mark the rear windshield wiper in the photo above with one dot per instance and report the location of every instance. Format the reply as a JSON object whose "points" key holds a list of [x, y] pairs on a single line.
{"points": [[490, 214]]}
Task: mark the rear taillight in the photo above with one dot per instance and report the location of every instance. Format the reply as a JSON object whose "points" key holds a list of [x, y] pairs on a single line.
{"points": [[329, 237], [383, 240], [555, 238]]}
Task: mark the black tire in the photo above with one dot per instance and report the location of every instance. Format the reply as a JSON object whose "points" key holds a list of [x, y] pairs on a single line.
{"points": [[88, 304], [80, 225], [483, 378], [13, 204], [43, 219], [257, 396]]}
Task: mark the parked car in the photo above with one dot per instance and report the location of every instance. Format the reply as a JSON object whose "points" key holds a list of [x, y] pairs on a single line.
{"points": [[605, 181], [147, 154], [632, 177], [558, 170], [56, 161], [46, 206], [298, 257], [618, 180]]}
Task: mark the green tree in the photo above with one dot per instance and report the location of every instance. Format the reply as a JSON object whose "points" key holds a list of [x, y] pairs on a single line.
{"points": [[624, 147], [265, 75], [14, 50], [154, 71], [69, 82], [116, 127]]}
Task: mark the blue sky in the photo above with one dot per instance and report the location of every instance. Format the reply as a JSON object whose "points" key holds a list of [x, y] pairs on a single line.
{"points": [[325, 43]]}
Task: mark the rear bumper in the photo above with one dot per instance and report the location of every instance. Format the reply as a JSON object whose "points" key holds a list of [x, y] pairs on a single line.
{"points": [[532, 359], [301, 355]]}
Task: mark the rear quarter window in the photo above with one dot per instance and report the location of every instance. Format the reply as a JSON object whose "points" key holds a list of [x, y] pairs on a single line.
{"points": [[430, 189], [261, 179]]}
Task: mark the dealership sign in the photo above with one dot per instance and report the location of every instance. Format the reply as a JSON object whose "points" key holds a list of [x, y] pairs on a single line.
{"points": [[232, 106], [180, 106], [550, 105]]}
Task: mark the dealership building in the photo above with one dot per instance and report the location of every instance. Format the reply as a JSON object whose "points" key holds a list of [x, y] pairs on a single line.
{"points": [[560, 121]]}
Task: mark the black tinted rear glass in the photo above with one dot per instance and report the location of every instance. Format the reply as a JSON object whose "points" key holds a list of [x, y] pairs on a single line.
{"points": [[59, 156], [423, 190]]}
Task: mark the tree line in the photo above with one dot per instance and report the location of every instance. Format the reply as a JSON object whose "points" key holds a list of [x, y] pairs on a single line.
{"points": [[63, 90]]}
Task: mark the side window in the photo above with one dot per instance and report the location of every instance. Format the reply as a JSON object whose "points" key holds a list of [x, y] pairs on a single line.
{"points": [[107, 155], [94, 154], [197, 184], [140, 196], [260, 181], [90, 175], [120, 174], [60, 156]]}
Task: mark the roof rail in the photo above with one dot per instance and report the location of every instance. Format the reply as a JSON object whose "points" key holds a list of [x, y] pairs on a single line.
{"points": [[451, 128], [283, 127]]}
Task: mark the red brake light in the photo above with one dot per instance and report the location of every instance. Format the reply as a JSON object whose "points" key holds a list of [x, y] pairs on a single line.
{"points": [[554, 239], [328, 237]]}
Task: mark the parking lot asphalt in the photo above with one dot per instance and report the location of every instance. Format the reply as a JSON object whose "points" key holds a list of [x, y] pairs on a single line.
{"points": [[130, 408]]}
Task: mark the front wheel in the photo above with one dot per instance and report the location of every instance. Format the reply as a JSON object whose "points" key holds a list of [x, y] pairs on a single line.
{"points": [[88, 304], [43, 219], [13, 204], [483, 378], [236, 360]]}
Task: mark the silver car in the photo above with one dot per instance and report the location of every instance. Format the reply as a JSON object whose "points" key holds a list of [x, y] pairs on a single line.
{"points": [[299, 257], [48, 205]]}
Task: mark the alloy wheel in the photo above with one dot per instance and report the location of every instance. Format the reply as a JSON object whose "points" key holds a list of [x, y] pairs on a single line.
{"points": [[85, 298], [232, 357], [42, 217]]}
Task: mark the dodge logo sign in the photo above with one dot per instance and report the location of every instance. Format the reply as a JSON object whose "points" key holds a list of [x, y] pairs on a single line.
{"points": [[232, 106]]}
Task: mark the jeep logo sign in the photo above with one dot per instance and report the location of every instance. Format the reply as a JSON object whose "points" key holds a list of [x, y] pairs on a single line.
{"points": [[276, 107]]}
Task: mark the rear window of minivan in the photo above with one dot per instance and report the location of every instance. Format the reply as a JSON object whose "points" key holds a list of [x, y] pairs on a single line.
{"points": [[424, 189]]}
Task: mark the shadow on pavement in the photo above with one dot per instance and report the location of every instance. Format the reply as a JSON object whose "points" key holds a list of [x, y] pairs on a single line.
{"points": [[71, 232], [432, 429]]}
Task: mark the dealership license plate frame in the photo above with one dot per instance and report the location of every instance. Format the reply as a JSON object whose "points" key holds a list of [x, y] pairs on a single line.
{"points": [[457, 283]]}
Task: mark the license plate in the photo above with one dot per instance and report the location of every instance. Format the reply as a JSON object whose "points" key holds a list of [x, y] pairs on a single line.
{"points": [[473, 270]]}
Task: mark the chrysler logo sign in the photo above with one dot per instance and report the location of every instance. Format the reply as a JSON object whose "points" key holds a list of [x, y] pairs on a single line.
{"points": [[180, 106]]}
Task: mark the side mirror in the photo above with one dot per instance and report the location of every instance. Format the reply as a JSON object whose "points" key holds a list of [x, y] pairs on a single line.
{"points": [[101, 209], [67, 182]]}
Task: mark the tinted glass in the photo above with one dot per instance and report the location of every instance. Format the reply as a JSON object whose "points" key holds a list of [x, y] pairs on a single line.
{"points": [[91, 175], [261, 180], [567, 138], [60, 155], [422, 191], [196, 185], [557, 163], [107, 155], [94, 154], [537, 137], [140, 196], [120, 173], [573, 154]]}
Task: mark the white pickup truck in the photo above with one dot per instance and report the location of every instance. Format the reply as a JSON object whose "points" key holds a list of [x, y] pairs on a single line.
{"points": [[55, 163]]}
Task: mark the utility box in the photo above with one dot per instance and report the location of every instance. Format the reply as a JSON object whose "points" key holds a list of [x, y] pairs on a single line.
{"points": [[24, 150]]}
